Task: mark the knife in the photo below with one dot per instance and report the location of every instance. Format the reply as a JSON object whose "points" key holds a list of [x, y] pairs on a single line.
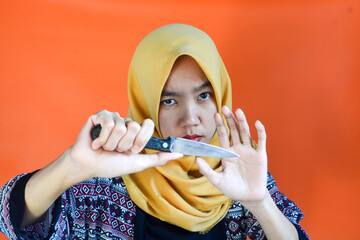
{"points": [[179, 145]]}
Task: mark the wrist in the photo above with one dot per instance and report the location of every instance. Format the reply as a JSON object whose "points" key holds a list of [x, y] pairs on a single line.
{"points": [[260, 206], [272, 220], [75, 172]]}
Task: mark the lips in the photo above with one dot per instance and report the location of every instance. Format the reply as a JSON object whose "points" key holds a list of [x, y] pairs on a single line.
{"points": [[193, 137]]}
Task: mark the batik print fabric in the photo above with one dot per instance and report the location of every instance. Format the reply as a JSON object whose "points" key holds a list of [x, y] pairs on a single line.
{"points": [[101, 208]]}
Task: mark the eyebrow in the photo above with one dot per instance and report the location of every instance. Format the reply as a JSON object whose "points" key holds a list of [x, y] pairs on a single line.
{"points": [[201, 87]]}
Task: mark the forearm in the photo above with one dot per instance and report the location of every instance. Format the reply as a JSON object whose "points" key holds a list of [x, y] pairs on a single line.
{"points": [[273, 222], [46, 185]]}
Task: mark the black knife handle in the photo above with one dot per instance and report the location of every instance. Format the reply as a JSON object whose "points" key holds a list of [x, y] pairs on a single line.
{"points": [[95, 131], [164, 145]]}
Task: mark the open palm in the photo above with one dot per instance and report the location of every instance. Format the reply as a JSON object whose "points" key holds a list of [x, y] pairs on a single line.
{"points": [[242, 178]]}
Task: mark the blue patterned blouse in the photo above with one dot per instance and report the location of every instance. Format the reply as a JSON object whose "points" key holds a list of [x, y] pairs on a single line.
{"points": [[101, 208]]}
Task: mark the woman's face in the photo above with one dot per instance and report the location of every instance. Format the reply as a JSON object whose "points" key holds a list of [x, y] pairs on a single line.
{"points": [[187, 104]]}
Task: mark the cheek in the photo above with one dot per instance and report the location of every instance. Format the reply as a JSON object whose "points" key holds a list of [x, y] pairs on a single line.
{"points": [[162, 125], [165, 123], [210, 120], [212, 124]]}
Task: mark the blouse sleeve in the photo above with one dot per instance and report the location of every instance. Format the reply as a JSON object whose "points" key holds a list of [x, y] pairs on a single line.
{"points": [[286, 206], [12, 205]]}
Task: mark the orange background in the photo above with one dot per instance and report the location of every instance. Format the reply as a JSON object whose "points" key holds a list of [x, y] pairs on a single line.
{"points": [[294, 65]]}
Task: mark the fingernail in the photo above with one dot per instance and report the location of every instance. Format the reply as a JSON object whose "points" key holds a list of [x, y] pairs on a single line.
{"points": [[226, 109], [95, 146], [178, 155]]}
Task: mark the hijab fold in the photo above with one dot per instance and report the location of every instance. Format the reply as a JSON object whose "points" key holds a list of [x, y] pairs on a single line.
{"points": [[176, 192]]}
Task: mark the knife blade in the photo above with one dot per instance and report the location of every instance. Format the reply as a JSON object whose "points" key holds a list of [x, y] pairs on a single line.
{"points": [[179, 145]]}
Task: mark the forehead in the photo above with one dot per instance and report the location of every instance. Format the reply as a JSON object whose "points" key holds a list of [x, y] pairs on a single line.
{"points": [[186, 73]]}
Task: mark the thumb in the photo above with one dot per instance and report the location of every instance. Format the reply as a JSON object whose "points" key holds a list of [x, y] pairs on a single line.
{"points": [[145, 161], [208, 172], [163, 157], [84, 136]]}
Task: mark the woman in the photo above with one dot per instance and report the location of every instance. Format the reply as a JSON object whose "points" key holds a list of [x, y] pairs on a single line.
{"points": [[177, 86]]}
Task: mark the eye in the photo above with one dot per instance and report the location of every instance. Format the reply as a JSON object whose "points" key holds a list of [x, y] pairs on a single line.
{"points": [[168, 102], [204, 96]]}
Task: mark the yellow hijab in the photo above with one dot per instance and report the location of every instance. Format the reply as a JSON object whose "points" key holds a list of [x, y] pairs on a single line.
{"points": [[176, 192]]}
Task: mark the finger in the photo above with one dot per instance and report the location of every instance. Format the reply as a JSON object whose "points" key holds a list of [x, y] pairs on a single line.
{"points": [[261, 136], [243, 126], [107, 124], [126, 142], [222, 133], [145, 161], [146, 131], [232, 124], [118, 131], [208, 172], [247, 128]]}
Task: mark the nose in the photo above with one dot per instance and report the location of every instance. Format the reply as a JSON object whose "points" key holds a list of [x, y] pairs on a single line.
{"points": [[189, 116]]}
